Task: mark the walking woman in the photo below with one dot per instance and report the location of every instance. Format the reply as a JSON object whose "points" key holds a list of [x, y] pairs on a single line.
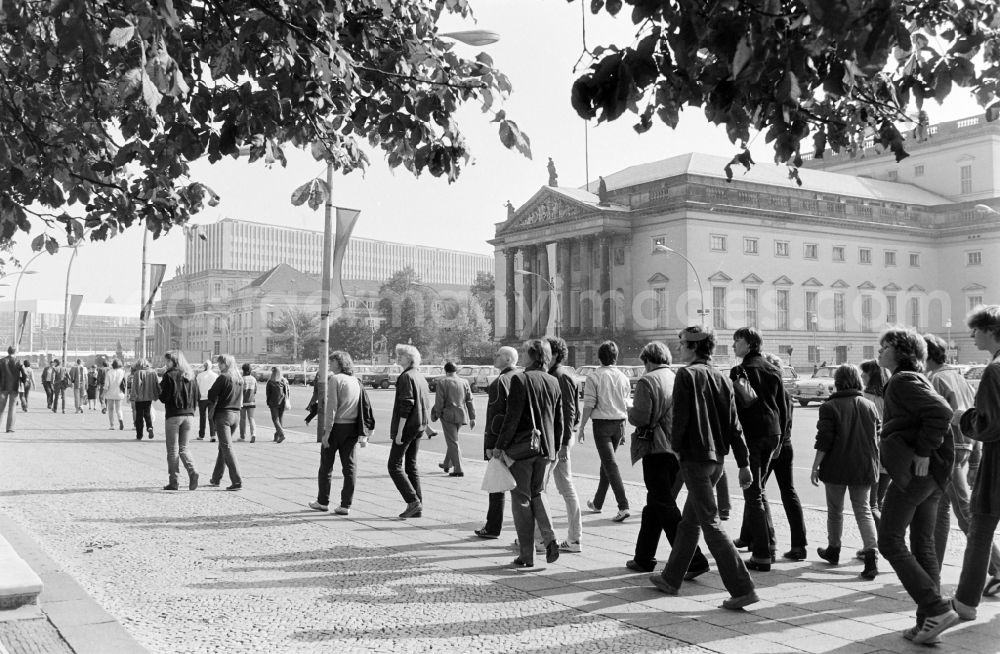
{"points": [[145, 389], [847, 462], [874, 378], [92, 388], [918, 452], [249, 405], [26, 383], [226, 395], [277, 394], [114, 393], [179, 394]]}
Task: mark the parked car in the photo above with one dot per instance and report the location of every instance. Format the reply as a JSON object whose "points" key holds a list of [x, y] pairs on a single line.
{"points": [[633, 373], [485, 375], [432, 374], [817, 388], [472, 375], [974, 374], [788, 378], [378, 377], [582, 372]]}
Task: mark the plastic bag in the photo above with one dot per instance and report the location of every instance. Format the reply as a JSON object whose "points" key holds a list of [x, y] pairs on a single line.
{"points": [[497, 478]]}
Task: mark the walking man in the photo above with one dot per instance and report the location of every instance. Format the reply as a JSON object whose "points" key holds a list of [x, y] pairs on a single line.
{"points": [[453, 407], [764, 420], [496, 409], [48, 378], [704, 427], [11, 376], [60, 382], [605, 401], [562, 470], [206, 379], [410, 413], [78, 375]]}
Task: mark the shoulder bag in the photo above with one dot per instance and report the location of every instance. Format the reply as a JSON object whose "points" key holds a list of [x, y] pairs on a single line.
{"points": [[746, 396], [525, 448]]}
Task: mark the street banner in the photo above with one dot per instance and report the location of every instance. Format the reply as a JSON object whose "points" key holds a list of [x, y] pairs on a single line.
{"points": [[74, 308], [22, 320], [553, 303], [346, 218], [156, 273]]}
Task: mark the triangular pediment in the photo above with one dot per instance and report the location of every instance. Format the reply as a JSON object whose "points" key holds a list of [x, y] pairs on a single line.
{"points": [[974, 286], [916, 288], [720, 277], [752, 279], [812, 281], [783, 281], [554, 205], [658, 278], [892, 287], [840, 283], [866, 286]]}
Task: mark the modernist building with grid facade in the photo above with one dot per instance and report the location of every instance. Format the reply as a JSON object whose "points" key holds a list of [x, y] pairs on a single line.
{"points": [[821, 268]]}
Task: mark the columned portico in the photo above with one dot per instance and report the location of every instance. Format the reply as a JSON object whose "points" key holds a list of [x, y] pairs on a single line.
{"points": [[510, 293], [604, 254], [528, 291], [565, 254]]}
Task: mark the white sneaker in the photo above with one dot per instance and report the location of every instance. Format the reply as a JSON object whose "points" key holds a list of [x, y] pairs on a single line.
{"points": [[342, 510], [910, 633], [319, 507], [621, 515], [590, 505], [934, 626], [573, 547]]}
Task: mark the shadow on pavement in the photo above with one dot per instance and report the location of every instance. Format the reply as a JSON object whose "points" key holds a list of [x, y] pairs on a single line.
{"points": [[232, 521], [73, 491]]}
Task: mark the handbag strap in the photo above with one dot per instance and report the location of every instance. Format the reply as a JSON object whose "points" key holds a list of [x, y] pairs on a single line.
{"points": [[527, 400]]}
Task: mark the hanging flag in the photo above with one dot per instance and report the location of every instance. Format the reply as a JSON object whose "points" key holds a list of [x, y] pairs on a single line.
{"points": [[22, 320], [74, 308], [345, 225], [156, 274], [552, 304]]}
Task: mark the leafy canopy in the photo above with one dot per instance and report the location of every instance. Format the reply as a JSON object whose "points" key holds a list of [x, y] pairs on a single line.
{"points": [[840, 70], [104, 104]]}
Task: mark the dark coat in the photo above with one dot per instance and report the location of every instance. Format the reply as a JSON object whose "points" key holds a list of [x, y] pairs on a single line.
{"points": [[276, 392], [704, 425], [226, 394], [11, 374], [570, 402], [983, 424], [179, 395], [847, 433], [534, 403], [496, 409], [412, 405], [915, 414], [768, 416]]}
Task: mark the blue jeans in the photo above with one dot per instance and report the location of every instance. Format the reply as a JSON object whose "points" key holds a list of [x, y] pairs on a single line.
{"points": [[914, 507], [701, 514], [529, 506], [225, 427], [758, 512], [862, 514], [177, 430], [403, 469], [608, 434], [977, 558]]}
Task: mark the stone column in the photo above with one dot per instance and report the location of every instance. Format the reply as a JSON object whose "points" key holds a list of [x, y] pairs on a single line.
{"points": [[604, 253], [528, 291], [511, 294], [565, 254], [587, 287], [545, 297]]}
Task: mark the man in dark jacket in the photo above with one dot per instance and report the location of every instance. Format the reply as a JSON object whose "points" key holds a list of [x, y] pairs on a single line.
{"points": [[704, 427], [11, 374], [496, 409], [533, 409], [48, 378], [562, 471], [763, 420], [411, 412]]}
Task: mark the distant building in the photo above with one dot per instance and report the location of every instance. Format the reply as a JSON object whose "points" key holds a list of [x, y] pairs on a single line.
{"points": [[821, 268], [99, 327]]}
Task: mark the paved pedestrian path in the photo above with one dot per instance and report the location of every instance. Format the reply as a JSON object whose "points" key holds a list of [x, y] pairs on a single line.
{"points": [[257, 571]]}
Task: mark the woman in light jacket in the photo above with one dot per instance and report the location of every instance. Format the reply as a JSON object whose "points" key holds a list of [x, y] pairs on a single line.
{"points": [[249, 405], [276, 392], [145, 389], [114, 393]]}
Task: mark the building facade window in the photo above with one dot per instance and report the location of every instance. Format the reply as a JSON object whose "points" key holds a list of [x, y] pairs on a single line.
{"points": [[781, 308], [719, 307], [914, 260], [781, 248], [810, 251], [974, 258], [619, 256], [891, 315], [975, 301], [864, 255], [866, 313], [890, 258], [717, 242], [751, 307], [812, 322], [662, 306], [893, 176], [965, 175], [838, 252], [749, 246], [918, 171], [813, 354], [915, 312], [839, 321]]}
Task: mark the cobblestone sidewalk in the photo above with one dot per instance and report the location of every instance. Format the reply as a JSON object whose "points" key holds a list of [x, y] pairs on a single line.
{"points": [[256, 571]]}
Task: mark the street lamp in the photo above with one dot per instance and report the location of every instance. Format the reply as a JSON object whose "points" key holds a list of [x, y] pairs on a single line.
{"points": [[552, 294], [701, 291]]}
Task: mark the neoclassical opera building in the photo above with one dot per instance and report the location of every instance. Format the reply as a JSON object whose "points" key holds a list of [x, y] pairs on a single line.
{"points": [[821, 268]]}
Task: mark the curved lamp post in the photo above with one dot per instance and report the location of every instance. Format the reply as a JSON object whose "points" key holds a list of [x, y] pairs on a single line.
{"points": [[17, 285], [552, 294], [701, 291]]}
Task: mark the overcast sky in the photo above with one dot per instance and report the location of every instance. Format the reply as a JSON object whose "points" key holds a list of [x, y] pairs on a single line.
{"points": [[540, 43]]}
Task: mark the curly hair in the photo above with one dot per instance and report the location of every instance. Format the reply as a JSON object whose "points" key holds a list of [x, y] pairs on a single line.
{"points": [[910, 348]]}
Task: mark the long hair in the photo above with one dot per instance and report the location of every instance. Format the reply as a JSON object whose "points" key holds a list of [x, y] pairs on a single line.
{"points": [[878, 377], [343, 360], [180, 362], [229, 362], [275, 374]]}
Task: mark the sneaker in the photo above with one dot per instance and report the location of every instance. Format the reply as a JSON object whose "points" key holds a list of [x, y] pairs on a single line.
{"points": [[910, 634], [662, 585], [965, 612], [933, 627], [482, 533], [444, 467], [316, 506], [621, 515], [573, 547], [737, 603], [342, 510], [234, 487], [592, 507]]}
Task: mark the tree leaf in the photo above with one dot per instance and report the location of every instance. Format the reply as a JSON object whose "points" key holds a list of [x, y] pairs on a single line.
{"points": [[120, 36], [301, 194], [744, 53], [51, 245], [150, 94], [38, 243]]}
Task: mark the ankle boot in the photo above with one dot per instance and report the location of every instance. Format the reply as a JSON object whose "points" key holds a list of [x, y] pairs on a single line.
{"points": [[829, 554], [871, 565]]}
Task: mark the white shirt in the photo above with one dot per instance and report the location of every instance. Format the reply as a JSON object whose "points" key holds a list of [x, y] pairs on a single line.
{"points": [[205, 379], [606, 394]]}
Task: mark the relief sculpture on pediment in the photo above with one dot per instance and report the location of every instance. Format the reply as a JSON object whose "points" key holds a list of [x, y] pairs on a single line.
{"points": [[547, 211]]}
